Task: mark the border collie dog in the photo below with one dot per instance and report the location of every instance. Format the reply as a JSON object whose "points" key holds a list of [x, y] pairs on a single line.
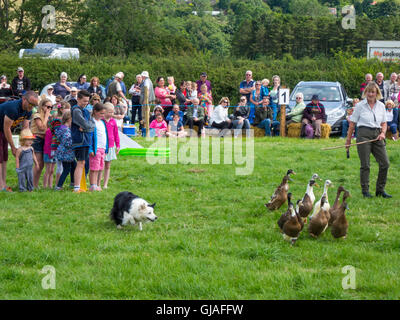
{"points": [[130, 208]]}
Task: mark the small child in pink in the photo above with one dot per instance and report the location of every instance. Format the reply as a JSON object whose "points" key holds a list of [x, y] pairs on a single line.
{"points": [[98, 147], [159, 125], [113, 143]]}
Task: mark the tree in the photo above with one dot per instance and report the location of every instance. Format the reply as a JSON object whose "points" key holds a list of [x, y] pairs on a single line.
{"points": [[308, 8]]}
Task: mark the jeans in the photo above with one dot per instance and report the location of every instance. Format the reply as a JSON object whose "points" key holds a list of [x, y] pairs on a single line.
{"points": [[266, 124], [345, 128], [68, 168], [393, 127], [238, 126]]}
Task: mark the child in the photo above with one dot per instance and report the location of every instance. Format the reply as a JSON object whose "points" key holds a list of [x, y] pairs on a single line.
{"points": [[98, 148], [24, 160], [205, 99], [392, 117], [159, 125], [345, 122], [50, 146], [82, 127], [64, 152], [171, 85], [264, 88], [175, 127], [193, 92], [62, 107], [113, 143]]}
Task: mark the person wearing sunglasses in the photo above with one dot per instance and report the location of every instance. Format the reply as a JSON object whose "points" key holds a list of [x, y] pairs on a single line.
{"points": [[39, 122], [296, 113], [247, 85], [93, 100], [241, 117], [219, 118], [13, 113]]}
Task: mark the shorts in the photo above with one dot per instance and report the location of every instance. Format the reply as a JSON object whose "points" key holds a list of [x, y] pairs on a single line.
{"points": [[111, 155], [38, 144], [47, 159], [96, 163], [3, 148], [81, 154]]}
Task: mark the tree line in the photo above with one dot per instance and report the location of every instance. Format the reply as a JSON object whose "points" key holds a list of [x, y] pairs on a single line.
{"points": [[243, 28]]}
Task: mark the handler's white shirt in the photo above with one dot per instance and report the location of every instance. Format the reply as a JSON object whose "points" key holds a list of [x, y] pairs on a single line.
{"points": [[364, 116]]}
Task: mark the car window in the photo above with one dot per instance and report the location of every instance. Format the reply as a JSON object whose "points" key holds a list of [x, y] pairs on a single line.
{"points": [[325, 93]]}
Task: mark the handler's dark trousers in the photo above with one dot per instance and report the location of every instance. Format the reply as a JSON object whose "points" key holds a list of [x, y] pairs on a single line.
{"points": [[378, 149]]}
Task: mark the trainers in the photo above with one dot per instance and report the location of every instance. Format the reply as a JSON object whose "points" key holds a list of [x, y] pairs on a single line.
{"points": [[57, 188], [98, 189]]}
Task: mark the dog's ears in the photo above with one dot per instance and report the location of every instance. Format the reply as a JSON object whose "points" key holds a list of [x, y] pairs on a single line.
{"points": [[152, 205], [142, 207]]}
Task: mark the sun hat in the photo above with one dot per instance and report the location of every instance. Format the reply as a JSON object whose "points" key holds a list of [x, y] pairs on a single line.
{"points": [[26, 134], [145, 74]]}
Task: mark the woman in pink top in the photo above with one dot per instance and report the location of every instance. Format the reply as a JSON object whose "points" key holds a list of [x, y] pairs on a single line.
{"points": [[113, 142], [159, 125], [163, 95]]}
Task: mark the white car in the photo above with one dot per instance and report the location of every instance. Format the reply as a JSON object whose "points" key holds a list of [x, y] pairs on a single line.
{"points": [[50, 51]]}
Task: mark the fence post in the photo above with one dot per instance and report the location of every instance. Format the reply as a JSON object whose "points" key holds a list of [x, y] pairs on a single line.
{"points": [[147, 111], [283, 121]]}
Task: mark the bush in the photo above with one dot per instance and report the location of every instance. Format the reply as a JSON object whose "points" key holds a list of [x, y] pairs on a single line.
{"points": [[225, 74]]}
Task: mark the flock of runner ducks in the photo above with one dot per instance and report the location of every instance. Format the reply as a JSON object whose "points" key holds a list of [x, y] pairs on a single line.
{"points": [[291, 222]]}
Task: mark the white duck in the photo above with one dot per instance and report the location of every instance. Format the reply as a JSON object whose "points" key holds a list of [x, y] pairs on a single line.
{"points": [[317, 206]]}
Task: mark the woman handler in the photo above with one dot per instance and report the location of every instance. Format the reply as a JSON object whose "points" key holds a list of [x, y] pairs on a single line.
{"points": [[370, 117]]}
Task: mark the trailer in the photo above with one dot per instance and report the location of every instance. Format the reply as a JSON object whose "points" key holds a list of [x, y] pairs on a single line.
{"points": [[386, 51]]}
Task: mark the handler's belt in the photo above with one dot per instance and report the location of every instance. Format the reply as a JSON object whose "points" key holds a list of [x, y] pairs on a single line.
{"points": [[369, 128]]}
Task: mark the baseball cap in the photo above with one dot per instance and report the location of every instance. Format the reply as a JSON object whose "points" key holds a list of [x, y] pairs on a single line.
{"points": [[74, 89], [20, 69], [203, 74]]}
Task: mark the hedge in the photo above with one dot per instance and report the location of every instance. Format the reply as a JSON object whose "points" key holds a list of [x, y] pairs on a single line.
{"points": [[225, 74]]}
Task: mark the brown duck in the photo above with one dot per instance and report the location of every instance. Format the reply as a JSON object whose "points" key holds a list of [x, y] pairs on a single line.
{"points": [[280, 195], [333, 210], [319, 221], [340, 224], [305, 205], [290, 223]]}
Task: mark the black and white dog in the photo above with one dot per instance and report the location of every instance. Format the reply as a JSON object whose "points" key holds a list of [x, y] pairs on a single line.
{"points": [[129, 208]]}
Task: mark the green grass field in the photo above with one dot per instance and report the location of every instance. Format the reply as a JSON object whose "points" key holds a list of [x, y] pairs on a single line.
{"points": [[214, 238]]}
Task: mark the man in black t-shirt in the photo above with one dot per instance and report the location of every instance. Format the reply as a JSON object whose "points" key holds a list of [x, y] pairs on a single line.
{"points": [[13, 113]]}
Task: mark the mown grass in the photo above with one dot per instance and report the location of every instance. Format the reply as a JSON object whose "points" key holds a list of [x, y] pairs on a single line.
{"points": [[214, 238]]}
